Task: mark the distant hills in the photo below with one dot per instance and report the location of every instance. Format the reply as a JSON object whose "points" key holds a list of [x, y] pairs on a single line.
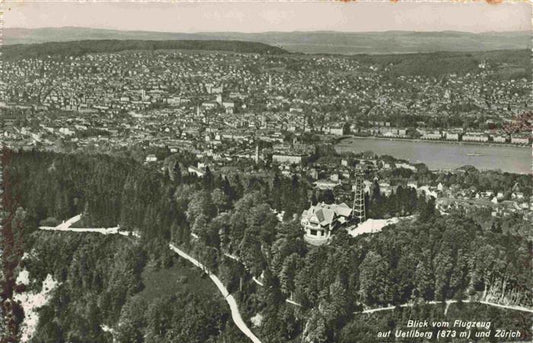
{"points": [[77, 48], [391, 42]]}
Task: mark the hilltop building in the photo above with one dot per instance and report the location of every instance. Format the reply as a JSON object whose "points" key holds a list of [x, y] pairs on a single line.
{"points": [[321, 220]]}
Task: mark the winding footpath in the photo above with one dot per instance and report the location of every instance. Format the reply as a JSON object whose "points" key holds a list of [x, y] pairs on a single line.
{"points": [[235, 258], [448, 302], [235, 314]]}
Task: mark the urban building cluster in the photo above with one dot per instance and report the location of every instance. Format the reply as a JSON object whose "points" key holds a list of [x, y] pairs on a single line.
{"points": [[333, 95], [226, 108]]}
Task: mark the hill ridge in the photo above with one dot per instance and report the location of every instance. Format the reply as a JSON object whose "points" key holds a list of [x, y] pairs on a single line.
{"points": [[338, 42], [80, 47]]}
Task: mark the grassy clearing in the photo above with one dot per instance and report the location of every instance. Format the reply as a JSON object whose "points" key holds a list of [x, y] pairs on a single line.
{"points": [[181, 276]]}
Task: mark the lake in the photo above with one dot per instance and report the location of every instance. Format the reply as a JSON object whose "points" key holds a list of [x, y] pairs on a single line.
{"points": [[444, 155]]}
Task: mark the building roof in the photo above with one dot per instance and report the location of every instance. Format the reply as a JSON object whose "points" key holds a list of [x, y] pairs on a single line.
{"points": [[343, 210], [325, 214]]}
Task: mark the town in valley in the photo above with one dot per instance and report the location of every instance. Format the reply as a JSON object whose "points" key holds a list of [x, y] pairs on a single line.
{"points": [[285, 186]]}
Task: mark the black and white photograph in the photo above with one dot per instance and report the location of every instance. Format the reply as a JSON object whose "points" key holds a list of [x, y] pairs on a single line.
{"points": [[266, 171]]}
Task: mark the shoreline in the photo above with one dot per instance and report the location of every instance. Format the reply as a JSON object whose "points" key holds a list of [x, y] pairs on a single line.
{"points": [[441, 156], [418, 140]]}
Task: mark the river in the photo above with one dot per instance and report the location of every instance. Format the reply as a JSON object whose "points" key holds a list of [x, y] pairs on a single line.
{"points": [[445, 155]]}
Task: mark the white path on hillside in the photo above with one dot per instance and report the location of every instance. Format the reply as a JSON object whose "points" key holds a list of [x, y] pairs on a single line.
{"points": [[66, 226], [235, 314], [71, 221], [235, 258], [129, 233], [103, 230], [509, 307], [292, 302], [448, 302]]}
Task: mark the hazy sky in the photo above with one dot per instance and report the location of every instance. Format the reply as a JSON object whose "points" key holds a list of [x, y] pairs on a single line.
{"points": [[272, 16]]}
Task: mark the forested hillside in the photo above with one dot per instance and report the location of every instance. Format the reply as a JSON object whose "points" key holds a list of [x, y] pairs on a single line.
{"points": [[239, 236], [310, 42], [511, 63], [100, 285], [78, 48]]}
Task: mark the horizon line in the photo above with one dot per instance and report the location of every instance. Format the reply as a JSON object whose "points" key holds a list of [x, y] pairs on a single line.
{"points": [[261, 32]]}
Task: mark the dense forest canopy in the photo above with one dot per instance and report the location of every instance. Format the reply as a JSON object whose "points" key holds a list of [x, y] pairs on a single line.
{"points": [[512, 63], [78, 48], [431, 257], [100, 279]]}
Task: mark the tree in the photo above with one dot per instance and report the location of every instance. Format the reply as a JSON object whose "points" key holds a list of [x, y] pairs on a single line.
{"points": [[427, 210], [250, 254], [288, 272], [228, 190], [376, 201], [315, 328], [328, 197], [276, 193], [158, 319], [261, 220], [314, 199], [220, 200], [346, 128], [200, 203], [208, 180], [374, 283], [425, 281], [176, 173], [200, 226]]}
